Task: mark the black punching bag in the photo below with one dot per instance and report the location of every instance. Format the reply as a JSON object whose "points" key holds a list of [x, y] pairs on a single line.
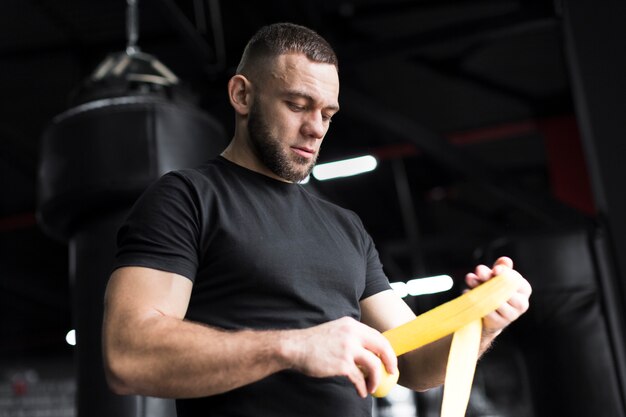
{"points": [[130, 125]]}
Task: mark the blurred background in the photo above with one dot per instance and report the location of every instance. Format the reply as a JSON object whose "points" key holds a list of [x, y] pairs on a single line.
{"points": [[497, 128]]}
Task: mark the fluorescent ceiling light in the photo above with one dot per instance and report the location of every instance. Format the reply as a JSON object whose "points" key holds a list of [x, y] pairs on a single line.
{"points": [[430, 285], [345, 168], [400, 289], [419, 286], [70, 337]]}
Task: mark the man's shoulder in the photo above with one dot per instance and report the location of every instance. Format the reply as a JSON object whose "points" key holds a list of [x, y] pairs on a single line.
{"points": [[204, 170], [210, 171]]}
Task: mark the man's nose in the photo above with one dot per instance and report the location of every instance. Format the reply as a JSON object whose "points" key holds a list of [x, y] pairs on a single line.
{"points": [[314, 125]]}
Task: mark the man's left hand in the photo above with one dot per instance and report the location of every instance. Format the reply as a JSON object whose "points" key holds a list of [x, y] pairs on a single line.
{"points": [[510, 311]]}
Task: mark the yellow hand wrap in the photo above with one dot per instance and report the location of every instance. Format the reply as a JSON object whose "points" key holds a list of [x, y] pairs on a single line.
{"points": [[463, 317]]}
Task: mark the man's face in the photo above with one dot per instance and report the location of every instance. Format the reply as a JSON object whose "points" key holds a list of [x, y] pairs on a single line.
{"points": [[290, 115]]}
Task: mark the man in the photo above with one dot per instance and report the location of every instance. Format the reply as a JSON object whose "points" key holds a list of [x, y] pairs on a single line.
{"points": [[239, 293]]}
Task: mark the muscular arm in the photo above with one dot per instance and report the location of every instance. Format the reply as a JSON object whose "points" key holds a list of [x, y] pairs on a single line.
{"points": [[150, 349]]}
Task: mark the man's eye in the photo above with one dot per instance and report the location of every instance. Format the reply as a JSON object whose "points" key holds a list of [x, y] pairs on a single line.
{"points": [[296, 107], [327, 118]]}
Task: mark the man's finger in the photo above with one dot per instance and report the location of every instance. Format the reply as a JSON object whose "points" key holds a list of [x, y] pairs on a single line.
{"points": [[357, 377], [371, 366], [519, 301], [380, 347], [483, 272], [504, 260], [472, 280]]}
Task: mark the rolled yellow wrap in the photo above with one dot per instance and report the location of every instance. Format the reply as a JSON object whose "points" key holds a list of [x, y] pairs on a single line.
{"points": [[463, 317]]}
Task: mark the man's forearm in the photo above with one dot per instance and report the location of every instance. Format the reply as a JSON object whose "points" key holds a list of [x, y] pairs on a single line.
{"points": [[425, 368], [170, 358]]}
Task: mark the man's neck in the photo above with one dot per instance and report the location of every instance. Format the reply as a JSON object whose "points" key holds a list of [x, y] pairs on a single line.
{"points": [[242, 155]]}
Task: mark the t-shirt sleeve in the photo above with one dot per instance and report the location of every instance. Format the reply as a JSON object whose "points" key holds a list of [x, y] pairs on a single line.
{"points": [[375, 278], [162, 229]]}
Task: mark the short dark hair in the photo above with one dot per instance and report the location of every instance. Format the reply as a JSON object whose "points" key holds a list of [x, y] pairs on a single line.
{"points": [[287, 38]]}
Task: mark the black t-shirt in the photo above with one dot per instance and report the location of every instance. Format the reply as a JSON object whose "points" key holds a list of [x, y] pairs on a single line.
{"points": [[263, 254]]}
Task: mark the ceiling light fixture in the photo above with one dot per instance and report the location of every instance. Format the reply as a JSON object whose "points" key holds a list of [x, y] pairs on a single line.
{"points": [[70, 337], [421, 286], [345, 168]]}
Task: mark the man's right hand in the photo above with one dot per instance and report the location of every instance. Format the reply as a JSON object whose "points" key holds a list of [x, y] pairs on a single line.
{"points": [[343, 347]]}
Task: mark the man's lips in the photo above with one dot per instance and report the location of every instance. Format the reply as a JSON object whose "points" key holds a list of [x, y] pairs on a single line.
{"points": [[304, 151]]}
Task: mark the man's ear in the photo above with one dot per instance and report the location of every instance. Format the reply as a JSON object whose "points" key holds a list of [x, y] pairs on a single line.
{"points": [[240, 94]]}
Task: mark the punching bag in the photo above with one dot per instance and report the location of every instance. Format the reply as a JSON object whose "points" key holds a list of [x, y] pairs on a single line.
{"points": [[565, 347], [130, 124]]}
